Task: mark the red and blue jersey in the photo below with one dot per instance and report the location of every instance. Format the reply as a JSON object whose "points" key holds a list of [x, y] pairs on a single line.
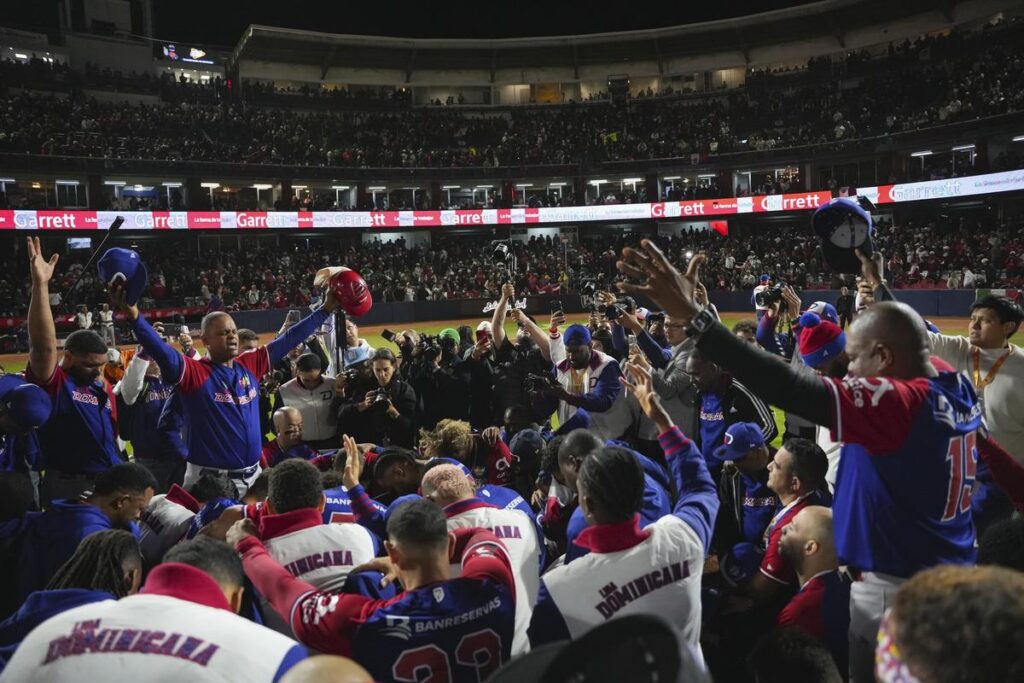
{"points": [[459, 630], [221, 401], [773, 564], [338, 506], [903, 491], [822, 609], [80, 436]]}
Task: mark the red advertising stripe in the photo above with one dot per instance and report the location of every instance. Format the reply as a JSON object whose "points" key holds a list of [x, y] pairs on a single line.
{"points": [[384, 219], [203, 220], [305, 219], [885, 194], [6, 220]]}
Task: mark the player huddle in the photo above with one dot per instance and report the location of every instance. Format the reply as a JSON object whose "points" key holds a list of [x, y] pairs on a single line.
{"points": [[249, 563]]}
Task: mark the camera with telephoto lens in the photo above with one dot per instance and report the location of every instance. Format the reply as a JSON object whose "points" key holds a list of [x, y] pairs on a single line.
{"points": [[767, 297], [534, 383], [351, 375], [381, 396], [432, 346]]}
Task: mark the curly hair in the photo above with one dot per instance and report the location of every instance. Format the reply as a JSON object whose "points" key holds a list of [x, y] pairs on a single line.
{"points": [[957, 624], [449, 439]]}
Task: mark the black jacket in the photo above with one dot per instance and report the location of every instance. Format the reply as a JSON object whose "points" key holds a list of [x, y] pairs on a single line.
{"points": [[374, 425]]}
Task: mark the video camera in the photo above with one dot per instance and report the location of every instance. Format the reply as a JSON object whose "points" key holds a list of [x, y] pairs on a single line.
{"points": [[535, 383], [767, 297]]}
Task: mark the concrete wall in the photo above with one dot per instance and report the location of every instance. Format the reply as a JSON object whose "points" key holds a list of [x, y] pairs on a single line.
{"points": [[119, 55]]}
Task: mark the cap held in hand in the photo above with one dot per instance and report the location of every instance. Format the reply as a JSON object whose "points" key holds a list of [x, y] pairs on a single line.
{"points": [[123, 267], [350, 290]]}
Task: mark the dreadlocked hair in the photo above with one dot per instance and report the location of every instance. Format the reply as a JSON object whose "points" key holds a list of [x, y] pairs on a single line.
{"points": [[100, 563]]}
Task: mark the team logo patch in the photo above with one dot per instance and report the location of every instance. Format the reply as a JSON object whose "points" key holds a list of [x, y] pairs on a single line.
{"points": [[397, 626], [438, 594]]}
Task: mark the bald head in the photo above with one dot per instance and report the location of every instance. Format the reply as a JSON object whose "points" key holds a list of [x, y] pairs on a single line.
{"points": [[889, 339], [808, 542], [288, 426], [446, 484], [327, 669]]}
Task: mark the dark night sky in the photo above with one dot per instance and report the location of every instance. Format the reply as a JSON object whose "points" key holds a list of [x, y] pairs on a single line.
{"points": [[221, 22]]}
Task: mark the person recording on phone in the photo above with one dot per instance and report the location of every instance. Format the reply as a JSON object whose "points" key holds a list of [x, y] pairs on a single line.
{"points": [[386, 415]]}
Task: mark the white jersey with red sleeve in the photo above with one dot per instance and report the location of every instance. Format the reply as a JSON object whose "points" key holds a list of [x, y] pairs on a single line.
{"points": [[164, 522]]}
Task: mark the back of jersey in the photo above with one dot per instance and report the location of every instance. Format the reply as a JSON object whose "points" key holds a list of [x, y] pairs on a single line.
{"points": [[518, 536], [903, 491], [459, 631]]}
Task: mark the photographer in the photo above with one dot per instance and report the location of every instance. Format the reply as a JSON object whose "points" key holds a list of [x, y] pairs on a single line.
{"points": [[312, 393], [787, 305], [583, 378], [441, 379], [513, 360], [386, 415]]}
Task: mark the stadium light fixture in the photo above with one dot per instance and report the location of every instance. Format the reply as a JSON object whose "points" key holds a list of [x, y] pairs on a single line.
{"points": [[923, 153], [451, 187], [485, 187], [376, 189], [598, 182], [963, 148], [299, 187], [632, 180], [68, 182], [1018, 138], [262, 186], [673, 177], [707, 175], [557, 184], [114, 183], [210, 186], [171, 184], [21, 55], [8, 180], [340, 187]]}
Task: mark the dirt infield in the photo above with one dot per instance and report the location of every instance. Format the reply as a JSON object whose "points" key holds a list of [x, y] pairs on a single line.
{"points": [[16, 362]]}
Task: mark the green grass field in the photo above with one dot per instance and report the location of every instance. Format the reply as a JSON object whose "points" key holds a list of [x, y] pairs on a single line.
{"points": [[16, 363]]}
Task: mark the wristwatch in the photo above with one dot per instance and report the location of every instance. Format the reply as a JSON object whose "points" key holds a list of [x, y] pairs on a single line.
{"points": [[700, 323]]}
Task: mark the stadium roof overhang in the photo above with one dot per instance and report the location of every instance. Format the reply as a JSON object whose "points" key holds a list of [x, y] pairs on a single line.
{"points": [[830, 18]]}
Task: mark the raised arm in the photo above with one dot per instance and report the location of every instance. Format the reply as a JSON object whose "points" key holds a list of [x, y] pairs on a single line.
{"points": [[300, 331], [697, 501], [774, 382], [540, 338], [498, 317], [42, 334], [134, 379]]}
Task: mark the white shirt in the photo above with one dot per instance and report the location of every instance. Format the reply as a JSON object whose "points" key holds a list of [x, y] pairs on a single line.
{"points": [[83, 320], [519, 537], [314, 405], [107, 318], [660, 575], [1003, 399], [201, 644], [164, 523]]}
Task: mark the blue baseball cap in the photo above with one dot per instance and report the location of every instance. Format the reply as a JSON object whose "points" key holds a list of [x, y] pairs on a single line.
{"points": [[825, 311], [576, 334], [124, 265], [399, 502], [28, 405], [740, 563], [740, 438], [765, 277], [843, 225]]}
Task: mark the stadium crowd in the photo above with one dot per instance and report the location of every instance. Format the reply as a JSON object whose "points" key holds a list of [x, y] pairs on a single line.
{"points": [[959, 78], [967, 253], [450, 505]]}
